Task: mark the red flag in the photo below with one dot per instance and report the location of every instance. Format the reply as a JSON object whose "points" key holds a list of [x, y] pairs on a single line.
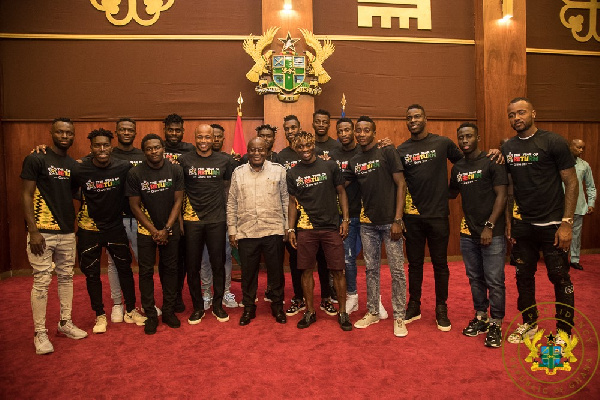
{"points": [[239, 143]]}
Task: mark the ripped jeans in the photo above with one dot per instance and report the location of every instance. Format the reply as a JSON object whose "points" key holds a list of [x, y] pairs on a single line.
{"points": [[60, 249], [89, 250], [530, 239]]}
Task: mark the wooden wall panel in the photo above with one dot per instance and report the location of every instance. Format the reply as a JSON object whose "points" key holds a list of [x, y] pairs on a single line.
{"points": [[4, 242]]}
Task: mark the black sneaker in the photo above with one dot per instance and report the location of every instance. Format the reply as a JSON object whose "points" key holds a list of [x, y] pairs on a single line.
{"points": [[171, 320], [344, 321], [150, 325], [328, 307], [196, 317], [476, 326], [413, 312], [179, 305], [268, 295], [221, 315], [494, 336], [307, 320], [297, 306], [441, 317]]}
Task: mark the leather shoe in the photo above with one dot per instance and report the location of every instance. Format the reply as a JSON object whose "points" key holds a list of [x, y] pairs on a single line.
{"points": [[577, 266], [279, 316], [247, 317]]}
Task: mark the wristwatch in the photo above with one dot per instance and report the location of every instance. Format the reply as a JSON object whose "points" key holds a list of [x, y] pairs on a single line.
{"points": [[488, 224], [169, 230], [568, 220]]}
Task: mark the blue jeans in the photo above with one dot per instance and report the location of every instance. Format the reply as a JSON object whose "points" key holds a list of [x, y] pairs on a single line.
{"points": [[130, 225], [372, 236], [485, 269], [352, 246]]}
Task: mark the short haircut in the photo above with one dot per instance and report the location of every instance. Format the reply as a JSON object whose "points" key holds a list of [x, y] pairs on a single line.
{"points": [[100, 132], [367, 119], [517, 99], [217, 126], [152, 136], [291, 117], [62, 119], [266, 126], [468, 125], [303, 135], [320, 111], [344, 119], [417, 107], [173, 119], [125, 120]]}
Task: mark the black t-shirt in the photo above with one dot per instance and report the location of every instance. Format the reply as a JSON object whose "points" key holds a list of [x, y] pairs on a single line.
{"points": [[289, 158], [374, 171], [103, 190], [475, 179], [53, 196], [156, 188], [535, 166], [426, 174], [205, 186], [329, 145], [342, 157], [172, 153], [315, 188], [134, 157]]}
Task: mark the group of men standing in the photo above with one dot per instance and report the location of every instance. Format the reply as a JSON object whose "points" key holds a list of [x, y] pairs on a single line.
{"points": [[321, 199]]}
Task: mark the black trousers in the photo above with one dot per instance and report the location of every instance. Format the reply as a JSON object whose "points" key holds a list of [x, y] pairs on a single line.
{"points": [[197, 235], [435, 232], [297, 274], [251, 249], [530, 240], [167, 267], [181, 268], [89, 251]]}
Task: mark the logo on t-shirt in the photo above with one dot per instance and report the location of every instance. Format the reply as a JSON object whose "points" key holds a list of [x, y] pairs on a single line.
{"points": [[201, 173], [135, 163], [468, 177], [365, 168], [522, 159], [156, 186], [59, 173], [311, 180], [419, 158], [342, 164], [103, 185], [290, 164]]}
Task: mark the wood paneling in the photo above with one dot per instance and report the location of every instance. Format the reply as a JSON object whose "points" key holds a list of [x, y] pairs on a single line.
{"points": [[4, 233], [20, 138]]}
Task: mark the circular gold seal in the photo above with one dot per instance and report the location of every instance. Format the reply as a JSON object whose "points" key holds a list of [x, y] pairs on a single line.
{"points": [[549, 363]]}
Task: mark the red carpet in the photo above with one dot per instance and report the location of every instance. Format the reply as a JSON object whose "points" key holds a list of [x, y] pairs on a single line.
{"points": [[268, 360]]}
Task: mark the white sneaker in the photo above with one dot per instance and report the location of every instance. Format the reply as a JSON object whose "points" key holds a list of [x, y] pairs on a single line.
{"points": [[116, 314], [207, 300], [229, 300], [522, 330], [383, 314], [71, 331], [400, 328], [368, 319], [351, 303], [134, 317], [158, 311], [42, 343], [101, 323]]}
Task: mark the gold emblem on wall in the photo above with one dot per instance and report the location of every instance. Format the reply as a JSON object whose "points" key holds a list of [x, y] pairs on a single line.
{"points": [[417, 9], [112, 8], [288, 73], [575, 22]]}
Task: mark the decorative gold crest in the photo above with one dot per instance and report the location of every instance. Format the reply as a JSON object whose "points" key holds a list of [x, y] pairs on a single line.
{"points": [[288, 73], [112, 8], [556, 355]]}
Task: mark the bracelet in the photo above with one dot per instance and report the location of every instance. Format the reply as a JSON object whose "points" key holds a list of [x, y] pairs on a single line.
{"points": [[399, 221], [291, 230], [346, 220]]}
